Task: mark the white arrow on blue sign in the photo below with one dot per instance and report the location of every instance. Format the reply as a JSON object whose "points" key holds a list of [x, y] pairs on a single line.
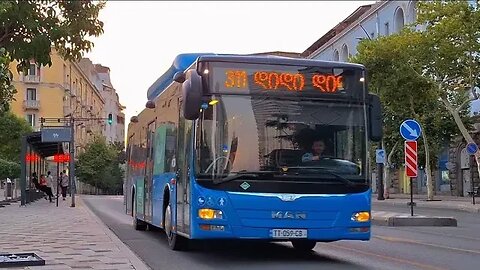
{"points": [[410, 130], [472, 148]]}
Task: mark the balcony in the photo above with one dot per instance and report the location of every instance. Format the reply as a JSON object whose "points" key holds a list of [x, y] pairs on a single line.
{"points": [[31, 79], [31, 104]]}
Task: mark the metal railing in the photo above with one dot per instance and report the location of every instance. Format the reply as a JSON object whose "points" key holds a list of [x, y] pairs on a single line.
{"points": [[31, 78], [31, 104]]}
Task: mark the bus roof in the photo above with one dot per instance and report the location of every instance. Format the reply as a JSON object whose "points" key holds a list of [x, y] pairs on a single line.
{"points": [[276, 60], [180, 63], [183, 61]]}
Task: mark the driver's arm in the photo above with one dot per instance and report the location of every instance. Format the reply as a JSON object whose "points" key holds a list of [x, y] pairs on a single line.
{"points": [[307, 157]]}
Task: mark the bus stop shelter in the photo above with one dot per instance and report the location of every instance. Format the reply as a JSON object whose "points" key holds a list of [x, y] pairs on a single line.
{"points": [[33, 159]]}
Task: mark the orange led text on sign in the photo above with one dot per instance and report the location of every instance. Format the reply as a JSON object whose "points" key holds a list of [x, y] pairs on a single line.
{"points": [[273, 80], [328, 84], [270, 80], [236, 78]]}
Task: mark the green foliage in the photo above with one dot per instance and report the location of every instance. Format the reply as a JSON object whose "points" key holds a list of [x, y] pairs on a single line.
{"points": [[450, 44], [99, 166], [9, 169], [7, 91], [29, 29], [12, 129], [404, 92]]}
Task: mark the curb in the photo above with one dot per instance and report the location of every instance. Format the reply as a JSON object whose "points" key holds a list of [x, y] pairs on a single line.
{"points": [[136, 261], [398, 221], [421, 205]]}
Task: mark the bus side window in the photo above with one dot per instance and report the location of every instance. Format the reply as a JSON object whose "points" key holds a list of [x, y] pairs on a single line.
{"points": [[170, 148]]}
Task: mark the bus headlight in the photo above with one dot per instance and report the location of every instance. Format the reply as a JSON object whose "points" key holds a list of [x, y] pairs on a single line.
{"points": [[206, 213], [361, 216]]}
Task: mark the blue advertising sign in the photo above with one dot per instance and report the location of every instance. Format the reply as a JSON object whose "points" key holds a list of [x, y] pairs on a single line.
{"points": [[56, 134]]}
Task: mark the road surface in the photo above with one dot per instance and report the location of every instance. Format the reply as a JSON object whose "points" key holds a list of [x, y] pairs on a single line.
{"points": [[390, 248]]}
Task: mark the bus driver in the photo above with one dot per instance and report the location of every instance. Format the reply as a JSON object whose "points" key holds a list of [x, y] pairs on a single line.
{"points": [[318, 147]]}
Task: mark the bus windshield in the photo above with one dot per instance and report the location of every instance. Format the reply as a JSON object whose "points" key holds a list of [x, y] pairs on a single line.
{"points": [[304, 138]]}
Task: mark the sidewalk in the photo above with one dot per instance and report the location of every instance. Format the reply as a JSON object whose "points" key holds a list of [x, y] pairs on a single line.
{"points": [[65, 237], [440, 202]]}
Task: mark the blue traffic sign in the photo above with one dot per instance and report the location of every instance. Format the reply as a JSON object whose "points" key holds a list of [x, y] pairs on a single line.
{"points": [[410, 130], [472, 148], [380, 156]]}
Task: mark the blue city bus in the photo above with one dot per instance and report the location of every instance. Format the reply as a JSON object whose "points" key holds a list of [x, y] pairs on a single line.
{"points": [[254, 147]]}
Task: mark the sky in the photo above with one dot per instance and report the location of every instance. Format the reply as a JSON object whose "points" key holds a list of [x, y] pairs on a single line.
{"points": [[142, 38]]}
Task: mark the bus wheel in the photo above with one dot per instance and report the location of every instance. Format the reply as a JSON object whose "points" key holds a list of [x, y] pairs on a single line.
{"points": [[175, 241], [137, 223], [305, 245]]}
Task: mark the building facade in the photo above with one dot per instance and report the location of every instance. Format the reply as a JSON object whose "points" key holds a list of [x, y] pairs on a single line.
{"points": [[384, 18], [100, 76], [58, 91]]}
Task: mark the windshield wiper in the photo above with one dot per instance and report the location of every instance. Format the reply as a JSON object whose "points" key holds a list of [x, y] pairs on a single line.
{"points": [[323, 170], [240, 174]]}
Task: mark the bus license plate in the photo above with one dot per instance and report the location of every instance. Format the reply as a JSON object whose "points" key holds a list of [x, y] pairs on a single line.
{"points": [[289, 233]]}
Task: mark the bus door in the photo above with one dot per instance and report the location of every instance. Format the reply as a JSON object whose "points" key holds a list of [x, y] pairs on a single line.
{"points": [[183, 176], [149, 172]]}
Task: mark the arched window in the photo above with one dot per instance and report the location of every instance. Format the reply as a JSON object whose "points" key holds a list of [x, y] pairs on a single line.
{"points": [[336, 56], [412, 12], [399, 20], [344, 53]]}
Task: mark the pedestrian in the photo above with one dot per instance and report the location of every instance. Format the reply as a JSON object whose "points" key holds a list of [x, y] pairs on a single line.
{"points": [[50, 185], [64, 183], [35, 181], [44, 187], [59, 181]]}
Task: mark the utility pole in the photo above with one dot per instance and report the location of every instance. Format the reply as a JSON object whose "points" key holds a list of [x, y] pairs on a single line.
{"points": [[71, 167]]}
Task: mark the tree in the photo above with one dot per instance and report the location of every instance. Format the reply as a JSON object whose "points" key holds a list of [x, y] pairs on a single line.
{"points": [[12, 129], [6, 88], [9, 169], [29, 29], [99, 166], [404, 94], [448, 55]]}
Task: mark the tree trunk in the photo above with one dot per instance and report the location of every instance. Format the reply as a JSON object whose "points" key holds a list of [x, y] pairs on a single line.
{"points": [[458, 120], [387, 171], [428, 170]]}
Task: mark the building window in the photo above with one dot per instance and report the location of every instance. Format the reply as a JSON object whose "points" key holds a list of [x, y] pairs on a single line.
{"points": [[412, 14], [336, 56], [399, 20], [31, 119], [387, 29], [33, 70], [344, 54], [31, 94]]}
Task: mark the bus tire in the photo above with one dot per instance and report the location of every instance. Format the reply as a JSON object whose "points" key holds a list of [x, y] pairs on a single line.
{"points": [[138, 224], [175, 241], [304, 245]]}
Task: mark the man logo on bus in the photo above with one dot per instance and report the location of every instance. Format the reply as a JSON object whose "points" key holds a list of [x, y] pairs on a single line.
{"points": [[288, 215]]}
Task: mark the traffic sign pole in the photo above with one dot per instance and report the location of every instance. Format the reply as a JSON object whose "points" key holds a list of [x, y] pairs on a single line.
{"points": [[472, 149], [411, 196], [411, 168], [380, 160]]}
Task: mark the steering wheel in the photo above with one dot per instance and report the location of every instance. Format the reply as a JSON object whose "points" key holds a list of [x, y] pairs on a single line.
{"points": [[215, 161]]}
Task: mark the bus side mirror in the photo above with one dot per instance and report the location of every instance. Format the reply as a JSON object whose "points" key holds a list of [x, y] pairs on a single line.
{"points": [[192, 95], [375, 120]]}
